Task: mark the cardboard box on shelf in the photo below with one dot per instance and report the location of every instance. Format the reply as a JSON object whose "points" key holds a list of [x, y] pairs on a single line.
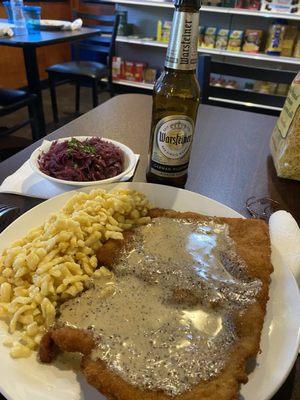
{"points": [[129, 69], [139, 69], [116, 67], [289, 40], [235, 40], [252, 42], [209, 37], [150, 75], [166, 31], [222, 39], [248, 4]]}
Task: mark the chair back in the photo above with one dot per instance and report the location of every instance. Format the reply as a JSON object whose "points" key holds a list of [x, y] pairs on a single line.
{"points": [[100, 46], [241, 99]]}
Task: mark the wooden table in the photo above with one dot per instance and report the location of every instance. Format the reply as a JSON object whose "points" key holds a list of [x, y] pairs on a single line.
{"points": [[29, 43], [230, 162]]}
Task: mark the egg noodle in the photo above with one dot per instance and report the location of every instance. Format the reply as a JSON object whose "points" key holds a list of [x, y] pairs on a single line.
{"points": [[55, 261]]}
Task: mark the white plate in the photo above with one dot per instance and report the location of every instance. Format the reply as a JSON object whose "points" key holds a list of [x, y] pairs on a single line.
{"points": [[129, 162], [27, 379], [53, 24]]}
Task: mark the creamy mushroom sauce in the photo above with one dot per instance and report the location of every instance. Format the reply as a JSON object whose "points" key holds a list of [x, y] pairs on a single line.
{"points": [[168, 322]]}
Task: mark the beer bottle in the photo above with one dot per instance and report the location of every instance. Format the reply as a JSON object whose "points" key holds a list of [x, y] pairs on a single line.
{"points": [[176, 99]]}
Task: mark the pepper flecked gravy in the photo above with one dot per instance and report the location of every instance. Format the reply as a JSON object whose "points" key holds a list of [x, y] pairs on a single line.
{"points": [[167, 323]]}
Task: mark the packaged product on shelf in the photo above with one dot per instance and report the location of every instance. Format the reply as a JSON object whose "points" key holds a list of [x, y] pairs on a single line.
{"points": [[240, 4], [264, 87], [231, 84], [228, 3], [297, 47], [282, 89], [252, 4], [139, 69], [201, 35], [129, 70], [166, 31], [122, 76], [222, 39], [249, 86], [285, 139], [257, 86], [116, 67], [248, 4], [272, 87], [213, 3], [235, 40], [283, 2], [159, 31], [289, 40], [281, 6], [150, 75], [221, 82], [252, 40], [275, 38], [122, 28], [209, 37]]}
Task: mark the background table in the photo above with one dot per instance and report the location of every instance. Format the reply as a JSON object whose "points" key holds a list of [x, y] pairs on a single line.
{"points": [[29, 43], [230, 162]]}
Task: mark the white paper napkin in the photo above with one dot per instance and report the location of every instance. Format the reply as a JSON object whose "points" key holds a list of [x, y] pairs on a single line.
{"points": [[6, 30], [28, 183], [285, 239], [73, 26]]}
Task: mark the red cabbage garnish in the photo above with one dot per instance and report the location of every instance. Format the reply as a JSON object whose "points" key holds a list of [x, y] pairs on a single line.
{"points": [[93, 159]]}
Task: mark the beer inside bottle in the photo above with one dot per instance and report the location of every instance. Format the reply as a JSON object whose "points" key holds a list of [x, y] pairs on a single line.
{"points": [[176, 99]]}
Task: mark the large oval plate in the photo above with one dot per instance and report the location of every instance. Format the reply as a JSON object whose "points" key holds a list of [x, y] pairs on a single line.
{"points": [[27, 379]]}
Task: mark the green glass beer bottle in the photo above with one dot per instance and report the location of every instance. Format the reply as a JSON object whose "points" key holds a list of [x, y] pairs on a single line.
{"points": [[176, 99]]}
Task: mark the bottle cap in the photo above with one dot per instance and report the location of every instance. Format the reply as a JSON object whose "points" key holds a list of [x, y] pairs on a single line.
{"points": [[188, 3]]}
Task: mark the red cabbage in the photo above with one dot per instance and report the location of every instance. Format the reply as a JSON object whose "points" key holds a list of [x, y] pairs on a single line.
{"points": [[93, 159]]}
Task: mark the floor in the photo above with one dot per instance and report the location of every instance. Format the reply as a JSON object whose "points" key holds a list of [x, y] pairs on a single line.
{"points": [[66, 108]]}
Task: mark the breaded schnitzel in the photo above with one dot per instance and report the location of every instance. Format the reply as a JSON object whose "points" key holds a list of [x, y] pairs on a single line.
{"points": [[252, 245]]}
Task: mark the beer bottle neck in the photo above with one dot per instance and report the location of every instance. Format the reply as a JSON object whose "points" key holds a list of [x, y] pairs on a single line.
{"points": [[182, 51]]}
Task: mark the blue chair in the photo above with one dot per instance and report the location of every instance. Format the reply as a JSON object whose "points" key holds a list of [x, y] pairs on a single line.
{"points": [[84, 71]]}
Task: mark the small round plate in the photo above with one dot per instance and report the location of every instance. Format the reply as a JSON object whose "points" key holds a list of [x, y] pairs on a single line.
{"points": [[129, 163]]}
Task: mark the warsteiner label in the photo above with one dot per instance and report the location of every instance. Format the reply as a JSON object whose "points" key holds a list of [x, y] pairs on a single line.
{"points": [[182, 51], [173, 138]]}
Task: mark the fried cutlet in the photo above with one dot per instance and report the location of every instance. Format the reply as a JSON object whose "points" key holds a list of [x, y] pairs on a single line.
{"points": [[252, 244]]}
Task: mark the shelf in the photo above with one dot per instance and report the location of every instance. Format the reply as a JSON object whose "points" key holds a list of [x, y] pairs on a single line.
{"points": [[210, 9], [247, 104], [140, 85], [251, 56], [149, 86], [148, 3], [154, 43], [226, 53], [250, 13]]}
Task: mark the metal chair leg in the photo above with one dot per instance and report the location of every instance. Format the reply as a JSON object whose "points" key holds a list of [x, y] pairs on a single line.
{"points": [[77, 98], [95, 94], [53, 98], [35, 131], [111, 89], [110, 86]]}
